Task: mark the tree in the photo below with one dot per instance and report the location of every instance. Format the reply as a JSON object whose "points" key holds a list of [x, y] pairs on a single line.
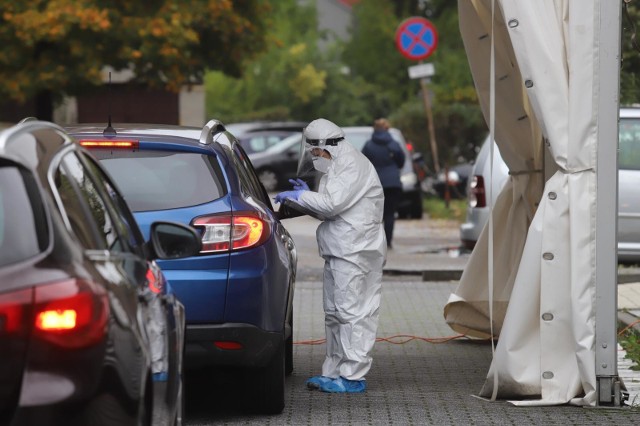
{"points": [[372, 55], [51, 48], [629, 79], [286, 81]]}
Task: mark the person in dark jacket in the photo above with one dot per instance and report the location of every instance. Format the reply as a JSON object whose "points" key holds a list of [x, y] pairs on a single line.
{"points": [[387, 157]]}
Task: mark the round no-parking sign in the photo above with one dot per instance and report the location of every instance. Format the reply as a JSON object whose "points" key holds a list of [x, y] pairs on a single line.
{"points": [[416, 38]]}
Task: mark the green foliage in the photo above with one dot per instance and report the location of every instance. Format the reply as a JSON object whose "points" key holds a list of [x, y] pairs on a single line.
{"points": [[630, 342], [371, 54], [436, 208], [283, 82], [356, 81], [629, 77]]}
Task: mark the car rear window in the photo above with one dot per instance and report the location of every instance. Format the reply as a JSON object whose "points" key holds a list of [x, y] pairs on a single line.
{"points": [[23, 224], [629, 144], [161, 180]]}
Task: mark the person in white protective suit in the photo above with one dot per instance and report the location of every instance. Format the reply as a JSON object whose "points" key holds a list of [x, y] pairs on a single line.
{"points": [[352, 242]]}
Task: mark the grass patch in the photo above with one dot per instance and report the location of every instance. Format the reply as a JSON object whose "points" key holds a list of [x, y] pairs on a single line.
{"points": [[629, 339], [436, 208]]}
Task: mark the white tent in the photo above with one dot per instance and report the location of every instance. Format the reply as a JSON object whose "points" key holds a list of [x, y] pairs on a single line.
{"points": [[546, 73]]}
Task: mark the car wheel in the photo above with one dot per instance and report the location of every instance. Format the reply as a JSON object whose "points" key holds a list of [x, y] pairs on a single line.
{"points": [[288, 350], [416, 210], [269, 179], [267, 385], [107, 409], [413, 209]]}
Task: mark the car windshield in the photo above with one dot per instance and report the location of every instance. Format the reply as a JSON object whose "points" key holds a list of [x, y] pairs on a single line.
{"points": [[160, 180], [629, 144]]}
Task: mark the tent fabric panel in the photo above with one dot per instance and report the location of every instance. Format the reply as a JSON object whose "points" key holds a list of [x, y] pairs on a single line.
{"points": [[545, 354]]}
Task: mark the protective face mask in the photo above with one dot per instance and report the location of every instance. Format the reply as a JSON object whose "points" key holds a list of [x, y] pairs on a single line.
{"points": [[321, 164]]}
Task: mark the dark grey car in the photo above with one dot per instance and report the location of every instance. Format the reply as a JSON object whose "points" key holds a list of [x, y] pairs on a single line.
{"points": [[78, 289]]}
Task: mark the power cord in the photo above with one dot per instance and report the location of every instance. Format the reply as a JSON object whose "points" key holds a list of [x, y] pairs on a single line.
{"points": [[398, 339]]}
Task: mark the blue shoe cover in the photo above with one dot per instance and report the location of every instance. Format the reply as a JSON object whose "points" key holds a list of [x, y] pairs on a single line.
{"points": [[316, 382], [342, 385], [160, 377]]}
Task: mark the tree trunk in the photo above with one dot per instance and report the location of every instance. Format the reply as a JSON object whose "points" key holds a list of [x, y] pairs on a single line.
{"points": [[44, 105]]}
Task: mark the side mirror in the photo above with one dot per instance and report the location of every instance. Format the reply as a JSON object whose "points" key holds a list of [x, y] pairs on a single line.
{"points": [[171, 240]]}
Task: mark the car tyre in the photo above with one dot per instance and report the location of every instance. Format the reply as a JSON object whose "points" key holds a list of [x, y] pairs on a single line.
{"points": [[269, 179], [416, 210], [107, 409], [267, 384]]}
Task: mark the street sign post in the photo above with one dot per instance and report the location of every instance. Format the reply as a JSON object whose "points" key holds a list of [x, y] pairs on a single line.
{"points": [[416, 39]]}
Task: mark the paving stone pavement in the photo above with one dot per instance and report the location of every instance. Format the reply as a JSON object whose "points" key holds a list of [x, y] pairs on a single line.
{"points": [[414, 383]]}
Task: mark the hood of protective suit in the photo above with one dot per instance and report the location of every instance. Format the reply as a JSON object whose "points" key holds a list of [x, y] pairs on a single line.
{"points": [[322, 129]]}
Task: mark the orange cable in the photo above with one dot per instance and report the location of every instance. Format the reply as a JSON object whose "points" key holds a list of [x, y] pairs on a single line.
{"points": [[628, 327], [405, 338]]}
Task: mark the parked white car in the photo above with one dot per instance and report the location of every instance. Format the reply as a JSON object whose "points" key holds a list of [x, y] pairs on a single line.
{"points": [[478, 192], [628, 189]]}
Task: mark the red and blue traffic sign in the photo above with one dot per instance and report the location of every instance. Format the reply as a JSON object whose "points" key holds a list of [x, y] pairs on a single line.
{"points": [[416, 38]]}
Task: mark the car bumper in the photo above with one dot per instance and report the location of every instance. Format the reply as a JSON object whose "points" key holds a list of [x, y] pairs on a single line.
{"points": [[629, 252], [257, 345]]}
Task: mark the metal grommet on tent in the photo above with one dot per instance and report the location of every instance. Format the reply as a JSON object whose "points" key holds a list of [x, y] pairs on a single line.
{"points": [[547, 316], [547, 375], [528, 84], [513, 23], [547, 256], [553, 195]]}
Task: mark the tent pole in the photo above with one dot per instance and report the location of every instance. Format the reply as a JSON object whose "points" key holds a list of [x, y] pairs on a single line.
{"points": [[607, 81]]}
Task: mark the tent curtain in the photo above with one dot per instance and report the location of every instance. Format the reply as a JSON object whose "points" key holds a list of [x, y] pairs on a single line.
{"points": [[544, 302]]}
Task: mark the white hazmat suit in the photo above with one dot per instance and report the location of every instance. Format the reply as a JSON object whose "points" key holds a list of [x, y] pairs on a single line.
{"points": [[352, 243]]}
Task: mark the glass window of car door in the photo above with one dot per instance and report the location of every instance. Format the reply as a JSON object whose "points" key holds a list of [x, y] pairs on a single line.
{"points": [[629, 144], [24, 231], [84, 206], [248, 179], [126, 224]]}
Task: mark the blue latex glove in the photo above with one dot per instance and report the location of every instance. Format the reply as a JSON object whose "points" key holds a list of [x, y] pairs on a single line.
{"points": [[299, 184], [294, 195]]}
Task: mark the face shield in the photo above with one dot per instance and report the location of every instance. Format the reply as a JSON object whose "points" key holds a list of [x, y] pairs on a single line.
{"points": [[311, 155]]}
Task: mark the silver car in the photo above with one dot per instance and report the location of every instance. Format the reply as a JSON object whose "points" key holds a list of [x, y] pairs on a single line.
{"points": [[629, 186], [478, 192], [628, 189]]}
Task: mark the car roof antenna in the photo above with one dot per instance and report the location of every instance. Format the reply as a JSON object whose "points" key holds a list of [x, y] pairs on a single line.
{"points": [[109, 131]]}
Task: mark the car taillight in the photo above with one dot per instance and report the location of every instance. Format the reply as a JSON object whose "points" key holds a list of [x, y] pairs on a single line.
{"points": [[226, 232], [15, 308], [109, 144], [71, 314], [477, 193]]}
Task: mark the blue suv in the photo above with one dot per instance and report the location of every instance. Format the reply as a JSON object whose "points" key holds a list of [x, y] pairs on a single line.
{"points": [[238, 291]]}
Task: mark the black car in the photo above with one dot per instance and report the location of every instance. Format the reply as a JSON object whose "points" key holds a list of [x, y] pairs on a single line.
{"points": [[279, 163], [78, 291]]}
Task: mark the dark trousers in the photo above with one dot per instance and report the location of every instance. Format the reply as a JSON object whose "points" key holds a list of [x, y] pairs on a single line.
{"points": [[391, 201]]}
